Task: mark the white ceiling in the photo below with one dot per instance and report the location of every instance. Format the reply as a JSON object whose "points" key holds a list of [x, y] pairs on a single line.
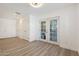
{"points": [[25, 8]]}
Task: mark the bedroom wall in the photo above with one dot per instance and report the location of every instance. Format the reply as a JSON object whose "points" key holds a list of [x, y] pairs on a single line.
{"points": [[78, 25], [7, 28], [7, 23], [34, 33]]}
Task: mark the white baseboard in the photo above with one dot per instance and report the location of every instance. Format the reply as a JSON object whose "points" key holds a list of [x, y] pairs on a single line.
{"points": [[6, 37], [30, 40], [68, 48]]}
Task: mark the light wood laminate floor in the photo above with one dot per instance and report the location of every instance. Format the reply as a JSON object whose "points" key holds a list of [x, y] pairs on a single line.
{"points": [[21, 47]]}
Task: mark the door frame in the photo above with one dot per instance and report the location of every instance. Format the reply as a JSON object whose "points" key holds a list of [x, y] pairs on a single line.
{"points": [[58, 24], [48, 31], [43, 19]]}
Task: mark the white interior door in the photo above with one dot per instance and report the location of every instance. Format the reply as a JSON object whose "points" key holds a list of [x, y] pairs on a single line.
{"points": [[22, 27]]}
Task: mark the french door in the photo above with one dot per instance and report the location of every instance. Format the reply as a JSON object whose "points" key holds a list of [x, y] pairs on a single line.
{"points": [[43, 30], [53, 30], [49, 30]]}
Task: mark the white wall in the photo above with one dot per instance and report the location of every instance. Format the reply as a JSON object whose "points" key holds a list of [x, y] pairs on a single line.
{"points": [[34, 33], [68, 26], [78, 26], [7, 28]]}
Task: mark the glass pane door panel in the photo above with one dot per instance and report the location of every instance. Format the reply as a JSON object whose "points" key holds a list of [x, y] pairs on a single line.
{"points": [[43, 30], [53, 30]]}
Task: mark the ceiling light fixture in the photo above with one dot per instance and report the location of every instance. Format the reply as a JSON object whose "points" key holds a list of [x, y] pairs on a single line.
{"points": [[36, 5]]}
